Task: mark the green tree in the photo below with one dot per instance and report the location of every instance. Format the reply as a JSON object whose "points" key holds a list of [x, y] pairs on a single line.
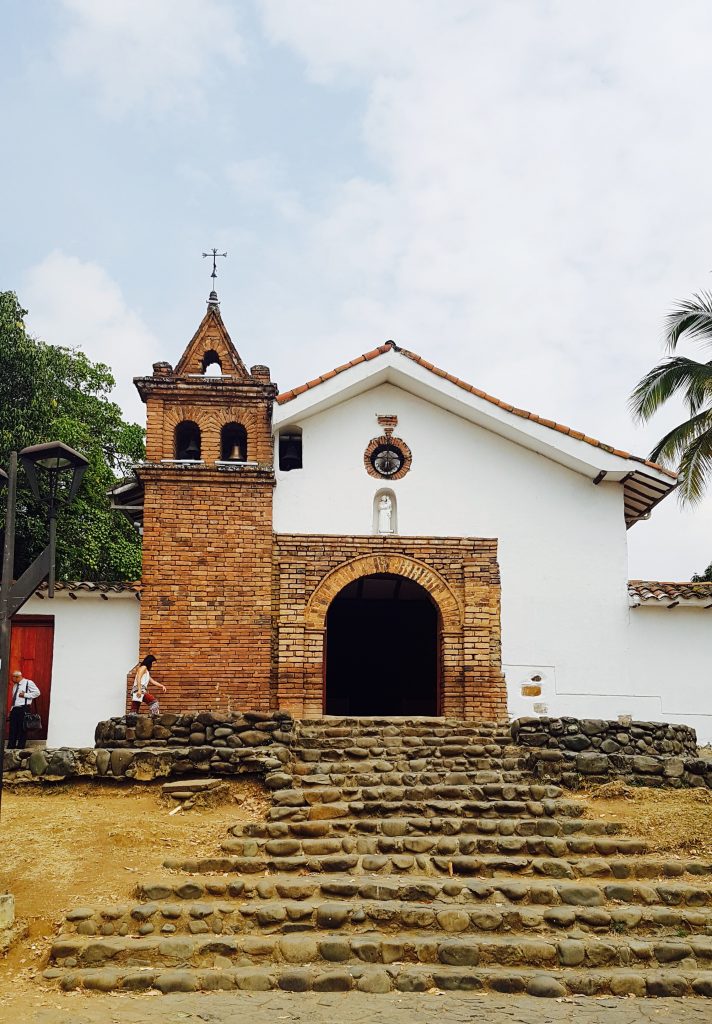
{"points": [[687, 447], [49, 393], [703, 577]]}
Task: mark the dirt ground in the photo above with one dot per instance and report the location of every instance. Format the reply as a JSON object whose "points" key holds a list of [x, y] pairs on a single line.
{"points": [[75, 843], [676, 821]]}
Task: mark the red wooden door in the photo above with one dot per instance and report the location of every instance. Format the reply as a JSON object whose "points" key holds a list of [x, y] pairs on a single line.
{"points": [[31, 648]]}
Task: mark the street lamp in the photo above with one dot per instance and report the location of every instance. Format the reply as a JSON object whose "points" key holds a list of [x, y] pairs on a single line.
{"points": [[48, 468]]}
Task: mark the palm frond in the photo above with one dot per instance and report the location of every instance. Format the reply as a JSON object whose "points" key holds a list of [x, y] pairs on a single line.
{"points": [[692, 318], [670, 449], [695, 469], [672, 375]]}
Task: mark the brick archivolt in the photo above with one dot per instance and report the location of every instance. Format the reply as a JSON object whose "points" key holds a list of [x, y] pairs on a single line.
{"points": [[395, 564]]}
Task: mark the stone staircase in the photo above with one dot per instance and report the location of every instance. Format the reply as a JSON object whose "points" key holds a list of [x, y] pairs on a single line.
{"points": [[410, 856]]}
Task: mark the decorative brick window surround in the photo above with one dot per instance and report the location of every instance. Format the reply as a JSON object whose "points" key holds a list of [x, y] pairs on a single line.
{"points": [[396, 442]]}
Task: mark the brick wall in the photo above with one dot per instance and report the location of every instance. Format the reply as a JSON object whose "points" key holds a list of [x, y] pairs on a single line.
{"points": [[460, 574], [206, 600]]}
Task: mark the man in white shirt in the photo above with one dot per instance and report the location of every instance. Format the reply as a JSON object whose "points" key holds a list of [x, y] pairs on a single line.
{"points": [[24, 692]]}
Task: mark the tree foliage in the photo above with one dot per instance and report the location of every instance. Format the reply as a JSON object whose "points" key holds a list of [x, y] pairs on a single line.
{"points": [[687, 447], [703, 577], [48, 393]]}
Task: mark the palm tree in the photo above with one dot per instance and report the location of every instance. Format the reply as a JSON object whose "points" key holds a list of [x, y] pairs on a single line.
{"points": [[687, 447]]}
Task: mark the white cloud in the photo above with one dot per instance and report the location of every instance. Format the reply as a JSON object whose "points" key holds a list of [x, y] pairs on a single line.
{"points": [[76, 304], [541, 195], [158, 54]]}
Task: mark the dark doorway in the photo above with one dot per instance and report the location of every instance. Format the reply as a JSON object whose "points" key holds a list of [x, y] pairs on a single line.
{"points": [[382, 649]]}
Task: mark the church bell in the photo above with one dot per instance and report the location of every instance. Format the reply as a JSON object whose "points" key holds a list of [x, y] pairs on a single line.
{"points": [[191, 452], [290, 454], [235, 455]]}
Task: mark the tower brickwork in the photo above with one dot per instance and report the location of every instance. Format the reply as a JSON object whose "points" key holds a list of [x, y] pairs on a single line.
{"points": [[208, 484]]}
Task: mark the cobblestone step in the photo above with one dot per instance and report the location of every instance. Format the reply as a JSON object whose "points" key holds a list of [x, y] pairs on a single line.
{"points": [[359, 779], [420, 826], [419, 747], [303, 796], [435, 845], [382, 979], [482, 866], [555, 984], [512, 949], [429, 726], [380, 766], [235, 917], [543, 892], [324, 811]]}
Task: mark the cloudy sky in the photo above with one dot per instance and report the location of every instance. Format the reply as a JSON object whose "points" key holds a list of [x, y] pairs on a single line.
{"points": [[516, 189]]}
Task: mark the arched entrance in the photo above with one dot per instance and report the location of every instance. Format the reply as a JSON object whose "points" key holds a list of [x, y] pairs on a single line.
{"points": [[382, 649]]}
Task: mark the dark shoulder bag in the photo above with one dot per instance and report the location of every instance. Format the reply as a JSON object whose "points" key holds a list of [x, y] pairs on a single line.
{"points": [[33, 722]]}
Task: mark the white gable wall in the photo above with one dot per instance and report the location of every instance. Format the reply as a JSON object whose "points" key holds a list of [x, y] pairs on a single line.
{"points": [[562, 543]]}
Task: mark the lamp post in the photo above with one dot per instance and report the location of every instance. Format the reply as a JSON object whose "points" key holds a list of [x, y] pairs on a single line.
{"points": [[47, 467]]}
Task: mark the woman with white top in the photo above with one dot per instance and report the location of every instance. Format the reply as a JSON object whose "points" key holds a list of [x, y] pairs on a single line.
{"points": [[140, 691]]}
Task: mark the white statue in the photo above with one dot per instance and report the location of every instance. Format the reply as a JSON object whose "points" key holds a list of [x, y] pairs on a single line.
{"points": [[385, 514]]}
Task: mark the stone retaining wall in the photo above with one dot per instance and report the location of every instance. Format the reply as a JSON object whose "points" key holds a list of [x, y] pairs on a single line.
{"points": [[217, 731], [591, 767], [139, 765], [565, 750], [624, 736], [579, 752]]}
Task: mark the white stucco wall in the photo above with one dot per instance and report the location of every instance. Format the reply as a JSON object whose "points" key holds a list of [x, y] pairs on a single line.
{"points": [[95, 645], [671, 664], [562, 540]]}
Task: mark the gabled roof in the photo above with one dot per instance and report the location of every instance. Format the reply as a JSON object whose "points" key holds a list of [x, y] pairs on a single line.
{"points": [[287, 396], [645, 482], [669, 595]]}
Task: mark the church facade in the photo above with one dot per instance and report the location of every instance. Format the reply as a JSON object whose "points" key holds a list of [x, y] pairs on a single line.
{"points": [[239, 612], [383, 540]]}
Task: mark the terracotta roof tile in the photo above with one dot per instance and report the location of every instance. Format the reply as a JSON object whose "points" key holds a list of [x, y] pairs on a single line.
{"points": [[287, 396], [71, 587], [656, 591]]}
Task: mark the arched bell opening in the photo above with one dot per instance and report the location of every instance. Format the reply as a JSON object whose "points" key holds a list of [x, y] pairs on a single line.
{"points": [[233, 443], [187, 441], [211, 365], [382, 649], [290, 449]]}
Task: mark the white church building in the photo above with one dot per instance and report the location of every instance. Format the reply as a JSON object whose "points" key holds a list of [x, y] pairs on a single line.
{"points": [[390, 450]]}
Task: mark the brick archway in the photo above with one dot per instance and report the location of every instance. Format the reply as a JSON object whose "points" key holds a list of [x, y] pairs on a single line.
{"points": [[460, 576], [396, 565]]}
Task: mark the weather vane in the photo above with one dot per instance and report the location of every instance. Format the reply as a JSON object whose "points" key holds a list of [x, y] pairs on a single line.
{"points": [[214, 253]]}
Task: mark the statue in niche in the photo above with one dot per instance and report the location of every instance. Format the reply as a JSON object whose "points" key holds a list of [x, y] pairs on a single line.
{"points": [[385, 514]]}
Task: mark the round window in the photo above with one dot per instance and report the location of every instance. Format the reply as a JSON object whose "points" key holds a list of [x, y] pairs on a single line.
{"points": [[387, 459]]}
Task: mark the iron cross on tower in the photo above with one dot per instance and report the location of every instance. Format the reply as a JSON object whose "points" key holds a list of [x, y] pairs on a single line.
{"points": [[214, 253]]}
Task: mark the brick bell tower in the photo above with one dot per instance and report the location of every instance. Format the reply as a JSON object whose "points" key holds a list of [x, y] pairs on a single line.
{"points": [[208, 483]]}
